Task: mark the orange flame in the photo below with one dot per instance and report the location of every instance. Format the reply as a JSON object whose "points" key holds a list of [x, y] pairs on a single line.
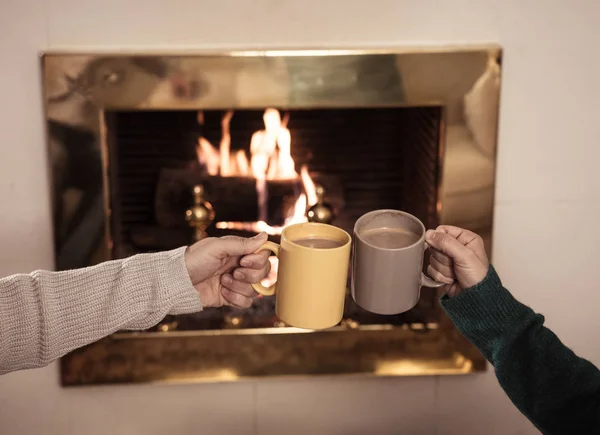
{"points": [[270, 159]]}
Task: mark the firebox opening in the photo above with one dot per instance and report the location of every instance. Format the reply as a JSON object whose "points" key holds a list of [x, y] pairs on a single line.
{"points": [[261, 170]]}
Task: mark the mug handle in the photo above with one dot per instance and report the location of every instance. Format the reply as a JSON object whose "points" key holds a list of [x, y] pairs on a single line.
{"points": [[429, 282], [258, 287]]}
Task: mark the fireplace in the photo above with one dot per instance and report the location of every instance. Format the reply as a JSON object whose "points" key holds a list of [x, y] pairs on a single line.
{"points": [[363, 159], [258, 141]]}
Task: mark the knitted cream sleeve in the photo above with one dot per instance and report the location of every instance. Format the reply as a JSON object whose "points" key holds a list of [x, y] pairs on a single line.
{"points": [[45, 315]]}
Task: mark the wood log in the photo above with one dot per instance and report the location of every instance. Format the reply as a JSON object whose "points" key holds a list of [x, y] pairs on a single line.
{"points": [[233, 198]]}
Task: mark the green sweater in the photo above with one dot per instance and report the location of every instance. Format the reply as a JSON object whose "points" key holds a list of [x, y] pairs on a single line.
{"points": [[558, 391]]}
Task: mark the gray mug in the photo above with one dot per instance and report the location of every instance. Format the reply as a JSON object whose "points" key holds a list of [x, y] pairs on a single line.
{"points": [[387, 262]]}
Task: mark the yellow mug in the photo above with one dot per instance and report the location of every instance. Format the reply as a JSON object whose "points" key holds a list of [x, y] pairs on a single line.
{"points": [[312, 275]]}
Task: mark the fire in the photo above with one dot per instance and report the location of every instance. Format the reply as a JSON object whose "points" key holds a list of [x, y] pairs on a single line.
{"points": [[221, 162], [271, 150], [270, 159]]}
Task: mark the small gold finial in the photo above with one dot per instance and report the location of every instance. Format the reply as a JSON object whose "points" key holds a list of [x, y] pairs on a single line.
{"points": [[321, 212], [320, 192], [201, 214]]}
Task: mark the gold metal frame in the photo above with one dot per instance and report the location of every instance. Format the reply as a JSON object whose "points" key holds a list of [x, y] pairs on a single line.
{"points": [[465, 81]]}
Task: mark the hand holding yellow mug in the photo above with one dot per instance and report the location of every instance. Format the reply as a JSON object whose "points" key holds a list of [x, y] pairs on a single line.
{"points": [[312, 275]]}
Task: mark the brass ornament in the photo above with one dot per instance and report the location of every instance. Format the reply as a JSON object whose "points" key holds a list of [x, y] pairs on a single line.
{"points": [[321, 212], [201, 215]]}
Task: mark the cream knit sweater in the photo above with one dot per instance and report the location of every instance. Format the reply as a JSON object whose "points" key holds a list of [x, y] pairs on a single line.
{"points": [[45, 315]]}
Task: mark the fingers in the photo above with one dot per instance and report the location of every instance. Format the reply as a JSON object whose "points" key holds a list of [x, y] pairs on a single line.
{"points": [[455, 232], [237, 293], [441, 267], [441, 257], [236, 299], [237, 286], [236, 289], [255, 267], [466, 237], [447, 271], [252, 275], [449, 245], [438, 276], [256, 261], [233, 246]]}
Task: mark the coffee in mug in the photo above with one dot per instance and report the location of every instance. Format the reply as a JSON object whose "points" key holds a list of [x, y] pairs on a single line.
{"points": [[390, 238], [311, 276], [316, 243], [387, 262]]}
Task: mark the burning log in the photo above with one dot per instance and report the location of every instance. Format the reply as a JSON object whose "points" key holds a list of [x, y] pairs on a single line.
{"points": [[233, 198], [281, 194]]}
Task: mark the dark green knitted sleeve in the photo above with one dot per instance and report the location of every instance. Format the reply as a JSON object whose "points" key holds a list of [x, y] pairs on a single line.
{"points": [[558, 391]]}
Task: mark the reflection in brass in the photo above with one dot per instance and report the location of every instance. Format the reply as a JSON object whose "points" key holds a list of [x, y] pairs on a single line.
{"points": [[166, 326], [201, 215], [79, 88], [349, 324], [233, 320], [188, 357], [321, 212]]}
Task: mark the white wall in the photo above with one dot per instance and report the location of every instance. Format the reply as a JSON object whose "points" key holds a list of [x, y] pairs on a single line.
{"points": [[548, 199]]}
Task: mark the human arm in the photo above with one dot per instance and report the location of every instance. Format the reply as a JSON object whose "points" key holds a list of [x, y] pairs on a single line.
{"points": [[557, 390], [44, 315]]}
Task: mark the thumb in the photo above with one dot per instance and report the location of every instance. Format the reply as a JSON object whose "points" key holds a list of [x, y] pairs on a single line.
{"points": [[236, 246], [448, 245]]}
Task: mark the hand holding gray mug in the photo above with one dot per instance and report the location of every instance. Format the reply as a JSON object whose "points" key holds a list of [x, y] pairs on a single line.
{"points": [[458, 258], [387, 262]]}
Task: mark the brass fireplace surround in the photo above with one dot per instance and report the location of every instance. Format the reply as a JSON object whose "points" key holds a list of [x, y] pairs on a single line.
{"points": [[465, 81]]}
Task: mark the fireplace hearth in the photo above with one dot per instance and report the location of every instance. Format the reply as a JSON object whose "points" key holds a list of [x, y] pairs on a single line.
{"points": [[255, 141]]}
